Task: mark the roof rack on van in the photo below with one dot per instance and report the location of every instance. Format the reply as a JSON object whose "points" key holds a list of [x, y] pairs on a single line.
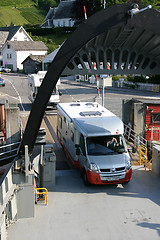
{"points": [[91, 113], [75, 104], [92, 104]]}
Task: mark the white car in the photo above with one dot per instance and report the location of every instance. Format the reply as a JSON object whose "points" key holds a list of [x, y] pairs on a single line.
{"points": [[7, 70]]}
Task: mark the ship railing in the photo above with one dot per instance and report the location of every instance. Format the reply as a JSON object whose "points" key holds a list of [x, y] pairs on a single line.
{"points": [[132, 137]]}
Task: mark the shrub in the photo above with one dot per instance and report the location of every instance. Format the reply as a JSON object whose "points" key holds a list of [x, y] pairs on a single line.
{"points": [[115, 78]]}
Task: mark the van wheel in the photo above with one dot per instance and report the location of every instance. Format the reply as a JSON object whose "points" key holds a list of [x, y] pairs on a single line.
{"points": [[81, 173], [85, 179]]}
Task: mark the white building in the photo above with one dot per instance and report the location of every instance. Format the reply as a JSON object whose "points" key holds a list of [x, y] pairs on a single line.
{"points": [[49, 58], [12, 33], [62, 16], [15, 52]]}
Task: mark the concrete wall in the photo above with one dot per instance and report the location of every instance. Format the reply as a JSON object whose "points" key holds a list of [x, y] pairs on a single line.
{"points": [[25, 201], [127, 107], [139, 118], [134, 115], [12, 124], [156, 160], [3, 232], [8, 204]]}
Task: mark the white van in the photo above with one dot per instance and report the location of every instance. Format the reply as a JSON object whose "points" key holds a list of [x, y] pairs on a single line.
{"points": [[93, 140], [34, 82]]}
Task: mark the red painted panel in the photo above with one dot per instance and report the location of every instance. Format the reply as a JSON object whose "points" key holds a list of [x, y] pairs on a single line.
{"points": [[150, 109], [148, 135]]}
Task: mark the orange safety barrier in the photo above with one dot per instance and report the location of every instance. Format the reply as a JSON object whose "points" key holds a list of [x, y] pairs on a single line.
{"points": [[143, 155], [41, 194]]}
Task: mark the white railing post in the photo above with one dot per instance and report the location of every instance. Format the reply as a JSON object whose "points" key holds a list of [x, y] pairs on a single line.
{"points": [[26, 163]]}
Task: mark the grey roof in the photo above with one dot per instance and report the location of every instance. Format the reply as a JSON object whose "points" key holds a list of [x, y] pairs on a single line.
{"points": [[28, 45], [64, 10], [37, 58], [10, 30], [3, 37], [50, 14]]}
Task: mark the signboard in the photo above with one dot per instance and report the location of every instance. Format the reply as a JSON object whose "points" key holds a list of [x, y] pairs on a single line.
{"points": [[104, 76]]}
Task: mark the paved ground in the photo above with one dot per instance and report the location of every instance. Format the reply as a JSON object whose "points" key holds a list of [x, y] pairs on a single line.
{"points": [[114, 212]]}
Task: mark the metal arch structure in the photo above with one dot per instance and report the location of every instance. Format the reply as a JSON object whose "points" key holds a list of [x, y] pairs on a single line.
{"points": [[109, 42]]}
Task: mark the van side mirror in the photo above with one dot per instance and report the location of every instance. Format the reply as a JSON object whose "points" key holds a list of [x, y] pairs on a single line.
{"points": [[134, 150], [60, 94], [78, 151]]}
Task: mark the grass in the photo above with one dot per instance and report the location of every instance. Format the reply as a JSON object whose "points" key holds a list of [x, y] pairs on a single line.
{"points": [[33, 15], [21, 16], [15, 3], [24, 12]]}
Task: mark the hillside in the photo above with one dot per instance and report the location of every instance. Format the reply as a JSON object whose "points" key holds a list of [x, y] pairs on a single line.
{"points": [[20, 12], [23, 12], [15, 3]]}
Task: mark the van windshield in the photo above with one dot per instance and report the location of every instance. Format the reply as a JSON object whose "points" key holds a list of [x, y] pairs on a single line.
{"points": [[106, 145]]}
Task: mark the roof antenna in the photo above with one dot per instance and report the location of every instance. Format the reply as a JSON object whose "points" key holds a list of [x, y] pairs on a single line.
{"points": [[135, 9]]}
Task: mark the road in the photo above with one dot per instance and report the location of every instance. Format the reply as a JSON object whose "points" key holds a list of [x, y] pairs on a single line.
{"points": [[16, 91]]}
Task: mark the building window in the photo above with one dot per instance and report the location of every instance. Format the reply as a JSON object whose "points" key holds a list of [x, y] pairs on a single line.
{"points": [[25, 38], [15, 38], [8, 46], [9, 55], [155, 117]]}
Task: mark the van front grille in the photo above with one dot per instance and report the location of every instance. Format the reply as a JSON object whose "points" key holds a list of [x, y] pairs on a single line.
{"points": [[111, 170]]}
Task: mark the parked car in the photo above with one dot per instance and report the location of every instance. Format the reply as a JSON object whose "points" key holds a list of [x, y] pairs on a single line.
{"points": [[3, 69], [2, 82], [7, 70]]}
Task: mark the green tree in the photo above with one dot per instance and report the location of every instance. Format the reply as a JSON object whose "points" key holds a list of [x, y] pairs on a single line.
{"points": [[91, 7], [154, 3], [35, 1], [46, 4]]}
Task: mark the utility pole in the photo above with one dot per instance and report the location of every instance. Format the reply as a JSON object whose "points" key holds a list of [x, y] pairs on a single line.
{"points": [[103, 94]]}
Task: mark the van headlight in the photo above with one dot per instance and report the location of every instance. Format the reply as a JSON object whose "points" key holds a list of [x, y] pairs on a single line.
{"points": [[128, 165], [93, 167]]}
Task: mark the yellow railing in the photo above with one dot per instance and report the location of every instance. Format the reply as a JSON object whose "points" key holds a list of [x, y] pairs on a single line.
{"points": [[143, 155], [41, 195]]}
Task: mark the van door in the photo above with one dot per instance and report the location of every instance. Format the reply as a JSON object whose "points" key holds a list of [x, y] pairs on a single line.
{"points": [[82, 157]]}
